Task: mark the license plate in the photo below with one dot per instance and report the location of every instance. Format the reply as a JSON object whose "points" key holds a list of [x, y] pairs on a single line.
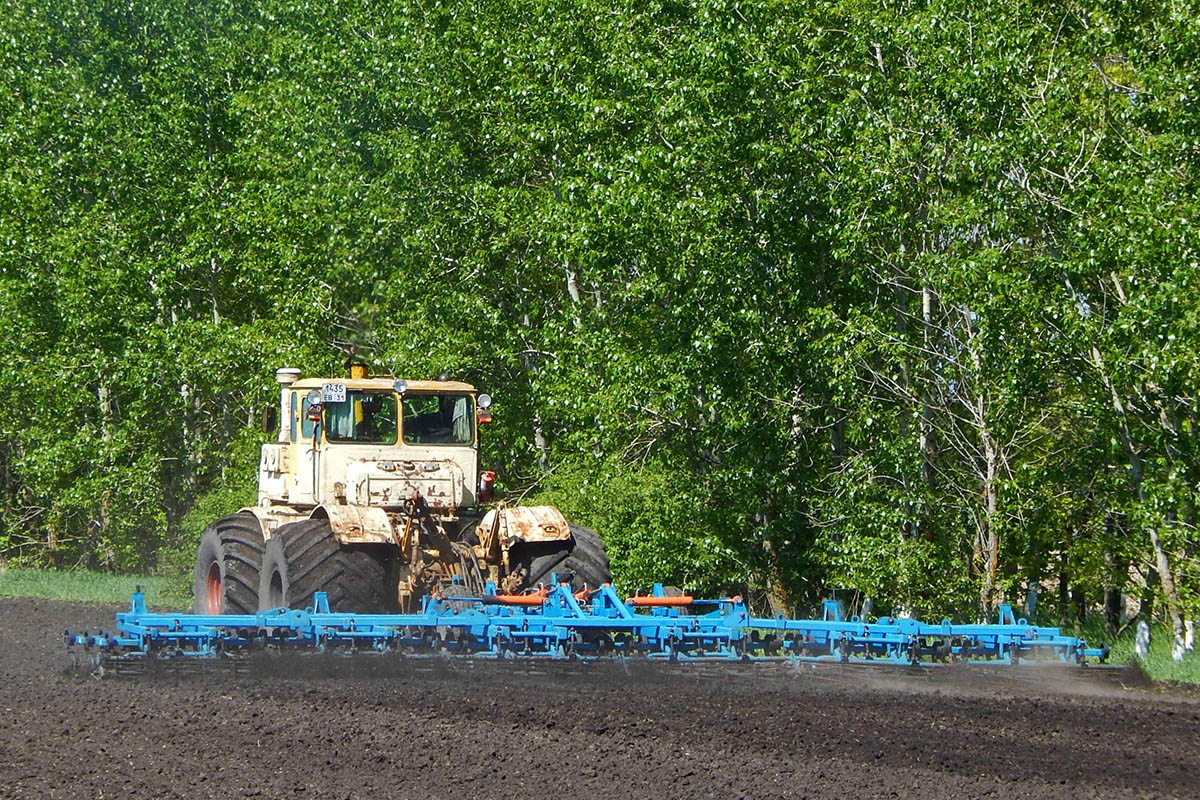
{"points": [[333, 393]]}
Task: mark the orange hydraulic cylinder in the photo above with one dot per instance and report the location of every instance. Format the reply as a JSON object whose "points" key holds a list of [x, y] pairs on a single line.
{"points": [[681, 600], [516, 599]]}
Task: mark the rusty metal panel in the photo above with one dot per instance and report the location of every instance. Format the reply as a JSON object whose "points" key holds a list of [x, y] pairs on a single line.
{"points": [[274, 458], [354, 524], [274, 466], [439, 482], [391, 482], [526, 524]]}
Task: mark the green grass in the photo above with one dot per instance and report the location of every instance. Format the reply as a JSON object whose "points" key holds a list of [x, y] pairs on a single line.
{"points": [[1158, 664], [94, 587]]}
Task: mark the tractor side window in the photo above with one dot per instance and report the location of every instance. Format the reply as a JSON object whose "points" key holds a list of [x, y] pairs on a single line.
{"points": [[292, 418], [439, 419], [364, 417]]}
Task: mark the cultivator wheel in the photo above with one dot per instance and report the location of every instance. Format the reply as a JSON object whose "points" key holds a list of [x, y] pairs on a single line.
{"points": [[226, 576], [304, 558]]}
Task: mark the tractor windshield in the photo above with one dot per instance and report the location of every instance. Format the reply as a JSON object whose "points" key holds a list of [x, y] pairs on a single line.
{"points": [[364, 417], [439, 419]]}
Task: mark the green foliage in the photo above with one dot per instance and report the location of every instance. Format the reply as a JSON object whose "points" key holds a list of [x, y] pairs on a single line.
{"points": [[835, 295], [658, 524], [177, 555]]}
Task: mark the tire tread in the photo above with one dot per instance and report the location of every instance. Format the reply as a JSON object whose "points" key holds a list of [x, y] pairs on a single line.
{"points": [[354, 578], [238, 540]]}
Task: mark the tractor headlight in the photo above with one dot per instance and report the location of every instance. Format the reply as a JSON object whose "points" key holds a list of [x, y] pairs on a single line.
{"points": [[484, 400], [314, 397]]}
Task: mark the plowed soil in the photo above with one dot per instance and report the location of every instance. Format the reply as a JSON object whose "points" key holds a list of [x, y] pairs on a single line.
{"points": [[331, 728]]}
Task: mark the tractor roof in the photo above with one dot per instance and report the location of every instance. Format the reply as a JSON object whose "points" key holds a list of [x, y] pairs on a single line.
{"points": [[384, 383]]}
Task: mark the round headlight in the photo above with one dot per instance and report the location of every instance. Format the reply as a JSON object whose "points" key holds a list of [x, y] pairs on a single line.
{"points": [[485, 400], [314, 397], [401, 386]]}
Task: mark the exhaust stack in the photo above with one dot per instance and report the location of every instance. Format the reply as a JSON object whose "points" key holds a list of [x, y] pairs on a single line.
{"points": [[285, 377]]}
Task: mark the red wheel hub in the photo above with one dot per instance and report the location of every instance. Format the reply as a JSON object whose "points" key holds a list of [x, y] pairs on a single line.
{"points": [[212, 595]]}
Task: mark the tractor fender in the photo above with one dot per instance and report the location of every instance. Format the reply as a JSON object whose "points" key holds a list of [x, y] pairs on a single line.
{"points": [[271, 517], [506, 527], [355, 524]]}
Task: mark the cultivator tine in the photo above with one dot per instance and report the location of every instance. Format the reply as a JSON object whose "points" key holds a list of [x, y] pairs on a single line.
{"points": [[554, 623]]}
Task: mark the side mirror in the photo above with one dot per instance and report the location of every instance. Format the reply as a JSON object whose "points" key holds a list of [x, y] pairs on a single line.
{"points": [[314, 405]]}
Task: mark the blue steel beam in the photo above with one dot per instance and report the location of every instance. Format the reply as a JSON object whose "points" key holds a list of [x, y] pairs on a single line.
{"points": [[594, 624]]}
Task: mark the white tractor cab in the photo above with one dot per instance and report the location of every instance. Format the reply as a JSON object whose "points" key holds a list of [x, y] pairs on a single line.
{"points": [[373, 494]]}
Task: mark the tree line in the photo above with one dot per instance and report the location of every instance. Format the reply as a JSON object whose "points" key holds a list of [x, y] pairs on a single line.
{"points": [[892, 298]]}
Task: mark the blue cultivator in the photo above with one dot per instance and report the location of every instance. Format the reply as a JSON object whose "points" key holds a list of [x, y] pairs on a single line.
{"points": [[554, 623]]}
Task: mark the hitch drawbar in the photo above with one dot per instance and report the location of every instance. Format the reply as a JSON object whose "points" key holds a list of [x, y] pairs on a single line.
{"points": [[552, 622]]}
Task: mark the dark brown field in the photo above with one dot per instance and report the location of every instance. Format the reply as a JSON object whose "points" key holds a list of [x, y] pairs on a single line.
{"points": [[426, 730]]}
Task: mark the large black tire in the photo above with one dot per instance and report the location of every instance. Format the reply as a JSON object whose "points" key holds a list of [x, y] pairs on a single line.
{"points": [[582, 559], [226, 576], [304, 558]]}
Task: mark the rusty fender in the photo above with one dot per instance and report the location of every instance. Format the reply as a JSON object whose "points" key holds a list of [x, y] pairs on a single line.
{"points": [[354, 524], [505, 527]]}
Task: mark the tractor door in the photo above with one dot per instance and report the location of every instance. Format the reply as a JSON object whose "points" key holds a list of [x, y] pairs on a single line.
{"points": [[308, 452]]}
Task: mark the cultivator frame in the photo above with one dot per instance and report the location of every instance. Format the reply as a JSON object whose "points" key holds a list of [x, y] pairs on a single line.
{"points": [[554, 623]]}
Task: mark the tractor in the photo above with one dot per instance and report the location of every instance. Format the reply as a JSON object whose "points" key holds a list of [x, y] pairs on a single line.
{"points": [[373, 494]]}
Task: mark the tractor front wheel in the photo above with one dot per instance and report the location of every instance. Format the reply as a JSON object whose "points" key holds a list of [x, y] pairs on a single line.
{"points": [[304, 558], [226, 576]]}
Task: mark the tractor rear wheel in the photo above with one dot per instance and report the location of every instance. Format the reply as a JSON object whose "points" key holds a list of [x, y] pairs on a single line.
{"points": [[304, 558], [226, 576], [582, 559]]}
